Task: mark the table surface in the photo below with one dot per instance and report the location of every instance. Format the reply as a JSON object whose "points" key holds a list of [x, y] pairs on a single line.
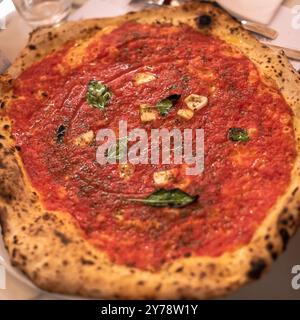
{"points": [[275, 285]]}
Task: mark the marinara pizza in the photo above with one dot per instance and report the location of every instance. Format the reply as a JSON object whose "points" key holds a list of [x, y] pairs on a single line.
{"points": [[146, 230]]}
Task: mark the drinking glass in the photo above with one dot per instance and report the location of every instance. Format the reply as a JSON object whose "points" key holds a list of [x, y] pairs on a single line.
{"points": [[43, 12]]}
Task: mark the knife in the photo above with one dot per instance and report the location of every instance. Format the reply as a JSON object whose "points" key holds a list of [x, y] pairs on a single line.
{"points": [[260, 28], [290, 53]]}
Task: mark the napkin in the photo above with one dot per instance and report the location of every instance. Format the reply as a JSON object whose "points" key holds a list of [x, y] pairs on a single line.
{"points": [[255, 10], [104, 8]]}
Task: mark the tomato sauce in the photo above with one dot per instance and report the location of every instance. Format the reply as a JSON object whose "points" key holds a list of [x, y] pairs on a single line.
{"points": [[240, 181]]}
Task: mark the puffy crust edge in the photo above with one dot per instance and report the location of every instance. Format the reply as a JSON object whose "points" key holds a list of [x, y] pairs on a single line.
{"points": [[50, 248]]}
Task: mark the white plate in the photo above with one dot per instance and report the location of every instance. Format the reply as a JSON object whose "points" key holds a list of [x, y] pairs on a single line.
{"points": [[256, 10]]}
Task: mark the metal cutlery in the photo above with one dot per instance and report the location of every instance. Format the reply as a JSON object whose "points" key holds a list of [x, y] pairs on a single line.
{"points": [[260, 29], [290, 53]]}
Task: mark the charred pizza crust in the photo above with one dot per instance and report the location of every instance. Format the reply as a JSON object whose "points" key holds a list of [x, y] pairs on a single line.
{"points": [[51, 249]]}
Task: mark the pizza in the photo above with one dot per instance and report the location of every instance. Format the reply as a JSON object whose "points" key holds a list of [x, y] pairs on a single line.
{"points": [[148, 231]]}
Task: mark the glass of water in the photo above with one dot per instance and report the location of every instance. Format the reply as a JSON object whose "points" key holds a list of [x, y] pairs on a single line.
{"points": [[43, 12]]}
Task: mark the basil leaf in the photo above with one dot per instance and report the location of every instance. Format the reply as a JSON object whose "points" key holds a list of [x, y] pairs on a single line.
{"points": [[165, 105], [98, 94], [175, 198], [116, 152], [60, 133], [238, 134]]}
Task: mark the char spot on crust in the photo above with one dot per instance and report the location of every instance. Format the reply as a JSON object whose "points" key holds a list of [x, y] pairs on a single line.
{"points": [[234, 30], [86, 262], [65, 262], [15, 239], [204, 20], [187, 254], [63, 238], [5, 194], [14, 252], [288, 221], [256, 268], [271, 250], [269, 246], [46, 216], [285, 237], [178, 270], [158, 287], [18, 259], [31, 47], [3, 215]]}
